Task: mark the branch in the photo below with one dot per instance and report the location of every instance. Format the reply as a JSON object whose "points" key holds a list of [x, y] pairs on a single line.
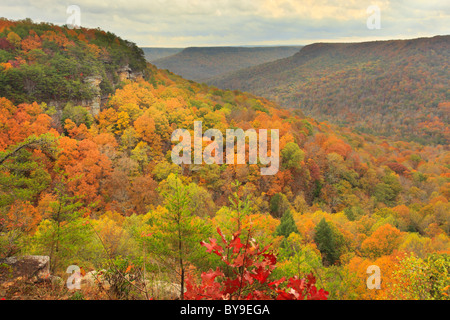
{"points": [[34, 143]]}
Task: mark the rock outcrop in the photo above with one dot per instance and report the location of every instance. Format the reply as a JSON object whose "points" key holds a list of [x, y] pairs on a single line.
{"points": [[95, 104], [27, 267]]}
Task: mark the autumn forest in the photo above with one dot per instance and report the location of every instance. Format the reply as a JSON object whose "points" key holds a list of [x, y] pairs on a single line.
{"points": [[86, 176]]}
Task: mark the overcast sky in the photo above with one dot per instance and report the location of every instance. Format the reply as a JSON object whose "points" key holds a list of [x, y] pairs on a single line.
{"points": [[183, 23]]}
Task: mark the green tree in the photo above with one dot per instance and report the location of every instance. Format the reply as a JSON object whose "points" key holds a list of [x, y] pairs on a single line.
{"points": [[64, 234], [296, 258], [77, 114], [279, 204], [292, 156], [176, 232], [287, 225], [388, 190], [327, 242], [21, 176], [240, 206]]}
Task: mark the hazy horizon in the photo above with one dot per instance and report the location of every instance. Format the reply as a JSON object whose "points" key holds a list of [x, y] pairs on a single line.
{"points": [[207, 23], [287, 45]]}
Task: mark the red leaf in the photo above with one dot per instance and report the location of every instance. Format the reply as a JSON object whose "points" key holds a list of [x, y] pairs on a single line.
{"points": [[282, 295], [239, 261], [209, 277], [221, 235], [276, 283], [261, 274], [270, 258], [212, 247], [236, 244]]}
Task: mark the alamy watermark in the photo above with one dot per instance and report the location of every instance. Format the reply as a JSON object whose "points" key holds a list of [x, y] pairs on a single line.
{"points": [[374, 20], [74, 20], [74, 280], [374, 280], [213, 153]]}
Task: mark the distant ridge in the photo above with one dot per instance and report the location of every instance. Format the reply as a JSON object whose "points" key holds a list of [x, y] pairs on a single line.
{"points": [[382, 87], [152, 54], [202, 63]]}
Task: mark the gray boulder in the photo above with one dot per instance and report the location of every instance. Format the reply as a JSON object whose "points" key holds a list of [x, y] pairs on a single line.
{"points": [[28, 266]]}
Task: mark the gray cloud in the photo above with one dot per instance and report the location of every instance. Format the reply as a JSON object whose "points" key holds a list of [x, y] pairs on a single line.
{"points": [[181, 23]]}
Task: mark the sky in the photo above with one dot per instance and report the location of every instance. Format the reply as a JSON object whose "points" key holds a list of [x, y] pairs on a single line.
{"points": [[185, 23]]}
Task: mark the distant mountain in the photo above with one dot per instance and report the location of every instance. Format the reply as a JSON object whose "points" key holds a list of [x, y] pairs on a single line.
{"points": [[201, 63], [398, 88], [152, 54]]}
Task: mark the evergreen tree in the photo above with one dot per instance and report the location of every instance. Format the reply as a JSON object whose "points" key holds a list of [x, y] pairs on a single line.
{"points": [[326, 242], [177, 232], [279, 204], [64, 234], [287, 225]]}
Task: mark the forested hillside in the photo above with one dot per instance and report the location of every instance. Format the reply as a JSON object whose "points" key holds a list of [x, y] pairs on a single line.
{"points": [[47, 63], [201, 63], [101, 192], [399, 88]]}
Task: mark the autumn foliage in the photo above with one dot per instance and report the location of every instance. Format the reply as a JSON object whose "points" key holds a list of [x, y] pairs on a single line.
{"points": [[73, 183], [247, 275]]}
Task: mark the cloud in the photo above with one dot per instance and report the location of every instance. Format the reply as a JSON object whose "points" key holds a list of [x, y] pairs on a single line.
{"points": [[180, 23]]}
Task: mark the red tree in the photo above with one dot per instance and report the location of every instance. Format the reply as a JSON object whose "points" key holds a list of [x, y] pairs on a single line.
{"points": [[249, 269]]}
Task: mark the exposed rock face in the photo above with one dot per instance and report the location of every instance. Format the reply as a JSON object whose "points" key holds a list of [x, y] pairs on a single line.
{"points": [[28, 266], [164, 290], [136, 75], [98, 101], [95, 103], [124, 73], [156, 289]]}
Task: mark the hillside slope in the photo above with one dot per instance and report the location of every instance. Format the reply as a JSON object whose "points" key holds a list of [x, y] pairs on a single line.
{"points": [[394, 88], [47, 63], [200, 64]]}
